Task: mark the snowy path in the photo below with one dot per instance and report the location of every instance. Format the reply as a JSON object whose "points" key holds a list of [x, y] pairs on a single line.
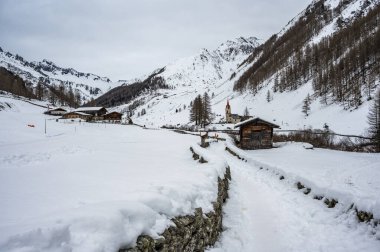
{"points": [[266, 214]]}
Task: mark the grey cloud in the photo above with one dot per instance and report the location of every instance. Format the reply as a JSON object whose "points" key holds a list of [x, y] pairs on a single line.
{"points": [[127, 38]]}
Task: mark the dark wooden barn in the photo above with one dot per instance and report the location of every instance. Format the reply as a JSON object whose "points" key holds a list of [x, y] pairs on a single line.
{"points": [[113, 117], [256, 133]]}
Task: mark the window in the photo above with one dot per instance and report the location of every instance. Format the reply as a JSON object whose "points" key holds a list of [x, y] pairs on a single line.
{"points": [[257, 136]]}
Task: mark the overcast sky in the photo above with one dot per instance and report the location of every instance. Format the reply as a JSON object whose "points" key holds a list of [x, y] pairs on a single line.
{"points": [[123, 39]]}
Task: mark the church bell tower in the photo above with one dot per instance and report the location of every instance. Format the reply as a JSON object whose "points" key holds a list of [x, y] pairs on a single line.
{"points": [[228, 112]]}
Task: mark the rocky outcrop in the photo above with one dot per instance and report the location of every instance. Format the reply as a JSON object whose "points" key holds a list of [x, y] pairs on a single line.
{"points": [[190, 232]]}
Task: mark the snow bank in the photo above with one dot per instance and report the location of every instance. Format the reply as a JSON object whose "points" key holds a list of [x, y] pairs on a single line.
{"points": [[93, 187]]}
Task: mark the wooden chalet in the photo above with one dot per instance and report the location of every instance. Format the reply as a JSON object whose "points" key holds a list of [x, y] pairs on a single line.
{"points": [[56, 111], [256, 133], [96, 112], [76, 115], [114, 117]]}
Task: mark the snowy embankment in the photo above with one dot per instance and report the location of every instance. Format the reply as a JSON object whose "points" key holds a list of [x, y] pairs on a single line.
{"points": [[93, 187], [350, 178], [267, 214]]}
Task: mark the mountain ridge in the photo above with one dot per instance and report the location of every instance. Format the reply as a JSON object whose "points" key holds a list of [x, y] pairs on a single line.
{"points": [[46, 71]]}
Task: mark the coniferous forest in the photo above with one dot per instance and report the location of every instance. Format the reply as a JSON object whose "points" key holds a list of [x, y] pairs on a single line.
{"points": [[343, 67], [55, 94]]}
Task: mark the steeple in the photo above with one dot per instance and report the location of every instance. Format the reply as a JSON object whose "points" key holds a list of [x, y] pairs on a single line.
{"points": [[228, 111]]}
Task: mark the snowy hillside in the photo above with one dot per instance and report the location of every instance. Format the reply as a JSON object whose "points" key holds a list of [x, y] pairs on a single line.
{"points": [[208, 68], [207, 71], [211, 72], [191, 75], [89, 85]]}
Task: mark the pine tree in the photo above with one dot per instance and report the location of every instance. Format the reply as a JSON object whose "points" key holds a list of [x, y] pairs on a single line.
{"points": [[71, 97], [374, 122], [195, 110], [78, 98], [39, 91], [192, 113], [246, 112], [198, 109], [268, 96], [306, 105], [206, 109]]}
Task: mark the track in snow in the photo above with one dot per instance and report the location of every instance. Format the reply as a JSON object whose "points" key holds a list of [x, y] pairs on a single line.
{"points": [[266, 214]]}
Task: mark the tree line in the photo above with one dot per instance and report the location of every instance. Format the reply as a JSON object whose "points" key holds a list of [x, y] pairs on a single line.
{"points": [[200, 110]]}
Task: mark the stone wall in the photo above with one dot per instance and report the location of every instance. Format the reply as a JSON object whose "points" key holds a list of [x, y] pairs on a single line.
{"points": [[191, 232]]}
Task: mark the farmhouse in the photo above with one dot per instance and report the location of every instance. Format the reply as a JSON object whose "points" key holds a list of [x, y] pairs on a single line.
{"points": [[96, 112], [56, 111], [75, 115], [256, 133], [114, 117]]}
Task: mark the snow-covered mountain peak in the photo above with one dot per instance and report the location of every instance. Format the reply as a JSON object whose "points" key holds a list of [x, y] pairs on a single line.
{"points": [[184, 79], [209, 66], [89, 85], [230, 49]]}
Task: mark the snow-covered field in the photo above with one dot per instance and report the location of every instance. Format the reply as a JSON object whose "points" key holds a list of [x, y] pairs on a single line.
{"points": [[265, 213], [96, 187], [92, 187], [346, 176]]}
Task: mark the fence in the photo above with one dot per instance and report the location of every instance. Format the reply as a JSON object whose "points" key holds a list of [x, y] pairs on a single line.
{"points": [[326, 139]]}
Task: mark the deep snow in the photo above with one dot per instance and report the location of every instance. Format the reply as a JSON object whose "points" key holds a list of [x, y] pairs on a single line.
{"points": [[96, 187], [264, 213], [93, 187]]}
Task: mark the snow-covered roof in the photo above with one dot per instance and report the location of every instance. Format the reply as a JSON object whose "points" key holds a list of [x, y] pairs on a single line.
{"points": [[203, 133], [255, 120], [56, 109], [89, 109], [113, 112], [79, 113]]}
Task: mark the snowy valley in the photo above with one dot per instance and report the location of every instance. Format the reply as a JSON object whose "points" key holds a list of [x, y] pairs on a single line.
{"points": [[91, 187], [143, 165]]}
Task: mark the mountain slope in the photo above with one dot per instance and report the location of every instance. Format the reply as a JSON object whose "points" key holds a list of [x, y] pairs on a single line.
{"points": [[334, 44], [183, 80]]}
